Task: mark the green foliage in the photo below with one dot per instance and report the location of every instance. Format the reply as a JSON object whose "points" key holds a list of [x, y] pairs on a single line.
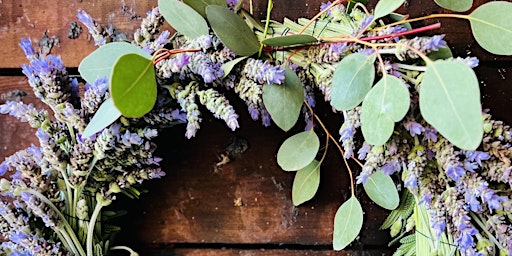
{"points": [[402, 212], [386, 103], [133, 86], [450, 101], [352, 80], [232, 30], [298, 151], [228, 66], [385, 7], [492, 28], [290, 40], [99, 63], [348, 222], [455, 5], [441, 54], [106, 114], [306, 183], [200, 5], [183, 18], [382, 190], [284, 102]]}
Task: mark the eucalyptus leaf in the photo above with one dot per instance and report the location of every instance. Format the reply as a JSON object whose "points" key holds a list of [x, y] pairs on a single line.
{"points": [[352, 80], [382, 190], [348, 222], [232, 30], [492, 28], [100, 62], [251, 21], [298, 151], [306, 183], [228, 66], [200, 5], [399, 17], [385, 7], [450, 102], [133, 86], [455, 5], [183, 18], [290, 40], [284, 101], [440, 54], [386, 103], [106, 114]]}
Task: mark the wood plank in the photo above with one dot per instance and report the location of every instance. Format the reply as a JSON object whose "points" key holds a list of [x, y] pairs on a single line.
{"points": [[30, 18], [260, 252]]}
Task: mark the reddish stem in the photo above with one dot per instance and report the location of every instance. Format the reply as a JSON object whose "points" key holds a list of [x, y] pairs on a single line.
{"points": [[408, 32]]}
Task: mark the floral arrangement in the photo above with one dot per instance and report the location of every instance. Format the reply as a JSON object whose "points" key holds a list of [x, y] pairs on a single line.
{"points": [[413, 121]]}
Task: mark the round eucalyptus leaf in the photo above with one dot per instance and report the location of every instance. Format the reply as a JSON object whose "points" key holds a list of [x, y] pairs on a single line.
{"points": [[133, 86], [298, 151], [106, 114], [450, 102], [348, 222], [492, 28], [352, 80], [183, 18], [382, 190], [455, 5], [385, 7], [306, 183], [200, 5]]}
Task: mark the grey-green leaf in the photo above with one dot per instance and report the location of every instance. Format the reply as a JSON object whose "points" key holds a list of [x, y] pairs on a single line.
{"points": [[200, 5], [106, 114], [385, 7], [290, 40], [232, 30], [348, 222], [455, 5], [183, 18], [382, 190], [298, 151], [352, 80], [228, 66], [99, 63], [133, 86], [284, 101], [492, 28], [306, 183], [441, 54], [386, 103], [450, 101]]}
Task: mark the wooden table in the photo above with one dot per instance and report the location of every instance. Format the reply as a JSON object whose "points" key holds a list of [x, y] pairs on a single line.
{"points": [[244, 207]]}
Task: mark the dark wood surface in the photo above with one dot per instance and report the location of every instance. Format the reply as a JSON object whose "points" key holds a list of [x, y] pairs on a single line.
{"points": [[243, 207]]}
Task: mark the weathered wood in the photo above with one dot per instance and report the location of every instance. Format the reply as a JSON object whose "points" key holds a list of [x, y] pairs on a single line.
{"points": [[29, 18], [258, 252]]}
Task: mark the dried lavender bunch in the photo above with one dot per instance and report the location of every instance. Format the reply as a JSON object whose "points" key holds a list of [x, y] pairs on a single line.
{"points": [[53, 194]]}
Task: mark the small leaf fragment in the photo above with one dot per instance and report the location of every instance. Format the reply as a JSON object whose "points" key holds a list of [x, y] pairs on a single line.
{"points": [[298, 151], [306, 183], [348, 222], [228, 66], [106, 114], [200, 5], [455, 5], [183, 18], [290, 40]]}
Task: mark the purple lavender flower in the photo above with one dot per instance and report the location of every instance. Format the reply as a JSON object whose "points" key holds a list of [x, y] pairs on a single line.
{"points": [[361, 154], [455, 171], [472, 62], [467, 231], [430, 134], [87, 20], [477, 156], [346, 133], [28, 49], [435, 43], [365, 22], [362, 178], [493, 201], [323, 6], [391, 166], [414, 127]]}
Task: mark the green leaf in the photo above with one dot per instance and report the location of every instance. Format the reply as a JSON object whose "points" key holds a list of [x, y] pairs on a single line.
{"points": [[289, 40], [284, 101], [183, 18], [352, 80], [399, 17], [298, 151], [306, 183], [348, 222], [455, 5], [450, 101], [385, 7], [99, 63], [386, 103], [106, 114], [251, 21], [441, 54], [232, 30], [133, 86], [382, 190], [200, 5], [492, 28], [228, 66]]}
